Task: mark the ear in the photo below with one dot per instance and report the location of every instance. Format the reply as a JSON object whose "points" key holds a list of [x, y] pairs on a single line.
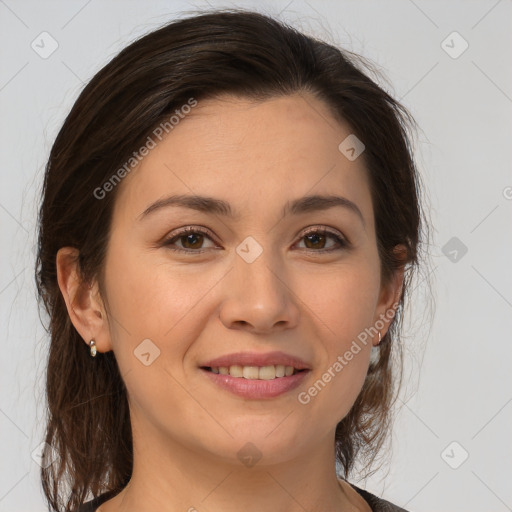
{"points": [[390, 294], [83, 301]]}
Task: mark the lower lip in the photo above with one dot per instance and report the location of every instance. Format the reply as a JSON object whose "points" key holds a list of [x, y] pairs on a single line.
{"points": [[257, 388]]}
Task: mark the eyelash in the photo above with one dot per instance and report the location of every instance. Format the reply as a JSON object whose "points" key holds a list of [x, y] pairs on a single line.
{"points": [[342, 243]]}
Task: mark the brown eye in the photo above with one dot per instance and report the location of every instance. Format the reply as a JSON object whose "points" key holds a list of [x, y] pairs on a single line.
{"points": [[191, 240], [316, 240]]}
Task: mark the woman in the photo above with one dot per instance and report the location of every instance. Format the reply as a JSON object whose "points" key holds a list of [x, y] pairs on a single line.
{"points": [[229, 224]]}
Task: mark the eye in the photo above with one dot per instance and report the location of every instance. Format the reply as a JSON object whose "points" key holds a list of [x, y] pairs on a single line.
{"points": [[316, 239], [191, 238]]}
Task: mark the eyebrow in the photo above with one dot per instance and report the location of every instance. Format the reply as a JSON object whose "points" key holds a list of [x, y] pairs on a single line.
{"points": [[207, 204]]}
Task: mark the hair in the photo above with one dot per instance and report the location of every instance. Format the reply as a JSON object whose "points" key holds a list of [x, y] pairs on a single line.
{"points": [[206, 55]]}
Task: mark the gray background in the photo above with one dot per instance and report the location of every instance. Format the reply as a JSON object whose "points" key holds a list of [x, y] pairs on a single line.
{"points": [[458, 392]]}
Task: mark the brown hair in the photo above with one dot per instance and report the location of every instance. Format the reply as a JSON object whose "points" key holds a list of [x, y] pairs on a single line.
{"points": [[202, 56]]}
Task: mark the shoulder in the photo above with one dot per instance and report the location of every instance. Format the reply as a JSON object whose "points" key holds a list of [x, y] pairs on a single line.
{"points": [[377, 504]]}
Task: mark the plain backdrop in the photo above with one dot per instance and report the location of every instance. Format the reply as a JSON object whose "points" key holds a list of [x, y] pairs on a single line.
{"points": [[449, 62]]}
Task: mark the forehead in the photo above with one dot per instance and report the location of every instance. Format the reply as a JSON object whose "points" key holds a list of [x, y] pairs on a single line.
{"points": [[253, 154]]}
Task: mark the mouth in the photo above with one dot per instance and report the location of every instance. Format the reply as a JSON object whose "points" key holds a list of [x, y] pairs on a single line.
{"points": [[256, 376], [269, 372], [255, 382]]}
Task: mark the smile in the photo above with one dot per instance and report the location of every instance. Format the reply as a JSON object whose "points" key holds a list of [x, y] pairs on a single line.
{"points": [[255, 383], [255, 372]]}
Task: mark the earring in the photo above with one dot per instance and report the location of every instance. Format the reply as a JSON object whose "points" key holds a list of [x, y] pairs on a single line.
{"points": [[375, 353], [93, 348]]}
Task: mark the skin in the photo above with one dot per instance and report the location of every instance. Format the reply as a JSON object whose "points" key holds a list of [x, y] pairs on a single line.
{"points": [[194, 307]]}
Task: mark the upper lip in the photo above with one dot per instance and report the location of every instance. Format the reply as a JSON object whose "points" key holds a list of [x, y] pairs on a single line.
{"points": [[255, 359]]}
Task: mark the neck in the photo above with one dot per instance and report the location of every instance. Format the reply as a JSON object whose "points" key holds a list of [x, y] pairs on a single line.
{"points": [[169, 477]]}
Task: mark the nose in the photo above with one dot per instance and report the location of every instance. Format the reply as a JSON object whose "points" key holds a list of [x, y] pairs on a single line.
{"points": [[258, 297]]}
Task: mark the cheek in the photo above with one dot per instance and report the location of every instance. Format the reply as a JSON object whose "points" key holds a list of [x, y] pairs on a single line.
{"points": [[162, 303], [155, 300], [343, 300], [344, 307]]}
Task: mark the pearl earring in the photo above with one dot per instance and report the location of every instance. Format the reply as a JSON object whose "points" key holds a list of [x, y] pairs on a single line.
{"points": [[93, 348], [375, 353]]}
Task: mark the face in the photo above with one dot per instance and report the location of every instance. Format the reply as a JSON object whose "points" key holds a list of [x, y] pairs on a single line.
{"points": [[267, 284]]}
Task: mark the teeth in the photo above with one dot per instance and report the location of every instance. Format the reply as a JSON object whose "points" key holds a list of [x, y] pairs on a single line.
{"points": [[236, 371], [249, 372], [280, 370], [256, 372], [268, 372]]}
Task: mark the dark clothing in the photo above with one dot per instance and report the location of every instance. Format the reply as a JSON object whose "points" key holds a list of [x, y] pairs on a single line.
{"points": [[376, 504]]}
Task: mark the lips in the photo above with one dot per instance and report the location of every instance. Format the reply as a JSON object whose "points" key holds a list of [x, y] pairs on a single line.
{"points": [[256, 376], [256, 389], [252, 359]]}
